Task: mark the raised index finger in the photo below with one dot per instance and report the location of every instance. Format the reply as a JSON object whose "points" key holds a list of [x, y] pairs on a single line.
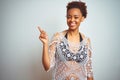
{"points": [[39, 29]]}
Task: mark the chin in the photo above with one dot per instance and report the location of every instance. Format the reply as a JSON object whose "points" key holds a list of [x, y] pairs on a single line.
{"points": [[72, 28]]}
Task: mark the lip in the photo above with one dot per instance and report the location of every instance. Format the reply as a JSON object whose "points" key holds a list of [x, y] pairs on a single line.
{"points": [[72, 24]]}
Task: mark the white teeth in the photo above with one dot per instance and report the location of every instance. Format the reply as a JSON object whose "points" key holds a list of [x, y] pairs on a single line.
{"points": [[72, 24]]}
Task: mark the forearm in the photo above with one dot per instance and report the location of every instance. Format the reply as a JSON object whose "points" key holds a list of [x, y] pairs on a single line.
{"points": [[90, 78], [45, 57]]}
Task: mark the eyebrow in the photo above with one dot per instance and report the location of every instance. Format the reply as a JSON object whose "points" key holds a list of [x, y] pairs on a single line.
{"points": [[73, 15]]}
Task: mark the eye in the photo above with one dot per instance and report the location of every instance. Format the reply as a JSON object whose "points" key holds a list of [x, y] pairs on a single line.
{"points": [[68, 17], [76, 17]]}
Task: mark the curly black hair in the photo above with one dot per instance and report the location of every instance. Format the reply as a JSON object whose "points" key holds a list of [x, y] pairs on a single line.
{"points": [[80, 5]]}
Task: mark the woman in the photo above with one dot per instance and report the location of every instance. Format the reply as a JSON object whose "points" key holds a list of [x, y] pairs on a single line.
{"points": [[69, 52]]}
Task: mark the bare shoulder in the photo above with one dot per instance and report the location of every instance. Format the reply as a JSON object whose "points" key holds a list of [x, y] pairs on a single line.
{"points": [[56, 34], [64, 32], [60, 34], [85, 37]]}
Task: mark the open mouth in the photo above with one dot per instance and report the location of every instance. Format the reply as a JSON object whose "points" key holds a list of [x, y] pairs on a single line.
{"points": [[72, 24]]}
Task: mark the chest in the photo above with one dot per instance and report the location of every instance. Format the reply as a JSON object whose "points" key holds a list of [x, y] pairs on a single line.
{"points": [[72, 52]]}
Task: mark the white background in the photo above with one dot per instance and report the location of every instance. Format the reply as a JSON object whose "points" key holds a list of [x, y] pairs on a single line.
{"points": [[21, 50]]}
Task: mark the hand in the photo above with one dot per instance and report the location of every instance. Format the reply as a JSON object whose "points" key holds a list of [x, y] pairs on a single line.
{"points": [[43, 36]]}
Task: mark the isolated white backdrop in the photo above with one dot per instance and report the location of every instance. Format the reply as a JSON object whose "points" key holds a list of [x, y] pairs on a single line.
{"points": [[21, 50]]}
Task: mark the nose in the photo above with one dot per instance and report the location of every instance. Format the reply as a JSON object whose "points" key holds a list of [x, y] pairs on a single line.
{"points": [[72, 19]]}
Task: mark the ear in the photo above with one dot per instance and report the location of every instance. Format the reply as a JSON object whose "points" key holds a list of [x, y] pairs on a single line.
{"points": [[82, 19]]}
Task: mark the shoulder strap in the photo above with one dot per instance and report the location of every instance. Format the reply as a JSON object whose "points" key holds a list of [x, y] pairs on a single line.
{"points": [[79, 35]]}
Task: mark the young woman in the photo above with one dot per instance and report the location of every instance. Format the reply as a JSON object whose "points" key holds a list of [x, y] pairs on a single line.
{"points": [[69, 52]]}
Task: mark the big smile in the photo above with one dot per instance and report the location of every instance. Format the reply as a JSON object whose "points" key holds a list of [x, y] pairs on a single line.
{"points": [[72, 24]]}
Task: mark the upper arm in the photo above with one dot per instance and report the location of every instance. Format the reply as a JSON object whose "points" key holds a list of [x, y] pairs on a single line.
{"points": [[89, 62], [52, 49]]}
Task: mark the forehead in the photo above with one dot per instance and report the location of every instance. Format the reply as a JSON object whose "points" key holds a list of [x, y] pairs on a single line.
{"points": [[74, 11]]}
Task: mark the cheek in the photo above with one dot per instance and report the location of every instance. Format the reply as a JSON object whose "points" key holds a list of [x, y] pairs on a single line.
{"points": [[67, 20], [78, 20]]}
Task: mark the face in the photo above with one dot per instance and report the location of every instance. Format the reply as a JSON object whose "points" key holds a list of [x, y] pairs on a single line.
{"points": [[74, 18]]}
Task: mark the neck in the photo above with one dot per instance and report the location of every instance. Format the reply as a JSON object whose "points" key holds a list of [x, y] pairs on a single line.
{"points": [[73, 32], [73, 36]]}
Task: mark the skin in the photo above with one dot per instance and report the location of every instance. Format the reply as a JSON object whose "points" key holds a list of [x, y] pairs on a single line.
{"points": [[45, 57], [74, 19]]}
